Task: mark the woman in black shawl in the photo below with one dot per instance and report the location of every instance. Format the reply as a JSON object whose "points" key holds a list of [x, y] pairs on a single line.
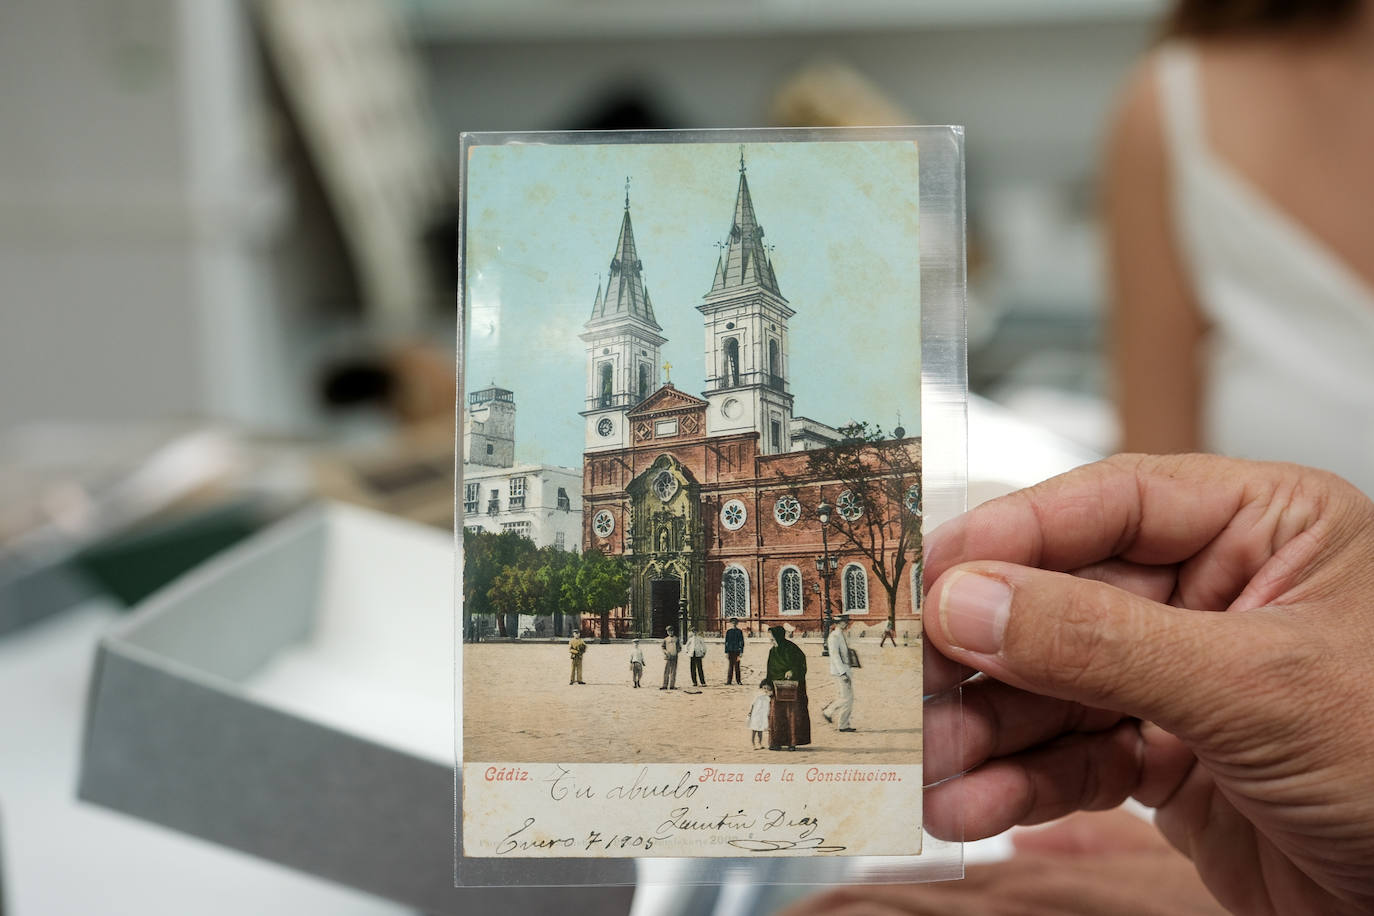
{"points": [[789, 721]]}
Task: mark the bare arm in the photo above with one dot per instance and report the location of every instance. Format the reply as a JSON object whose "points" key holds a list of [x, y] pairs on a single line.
{"points": [[1157, 329]]}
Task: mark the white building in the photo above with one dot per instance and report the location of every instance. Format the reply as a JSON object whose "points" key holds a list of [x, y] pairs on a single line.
{"points": [[542, 502]]}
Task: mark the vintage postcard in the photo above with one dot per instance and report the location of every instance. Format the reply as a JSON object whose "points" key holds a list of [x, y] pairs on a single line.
{"points": [[691, 499]]}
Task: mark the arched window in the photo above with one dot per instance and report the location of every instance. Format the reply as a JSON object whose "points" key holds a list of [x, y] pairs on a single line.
{"points": [[790, 591], [643, 381], [734, 593], [605, 398], [855, 589], [731, 368], [774, 365]]}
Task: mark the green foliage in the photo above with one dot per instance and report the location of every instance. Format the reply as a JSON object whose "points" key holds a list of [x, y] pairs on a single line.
{"points": [[505, 575]]}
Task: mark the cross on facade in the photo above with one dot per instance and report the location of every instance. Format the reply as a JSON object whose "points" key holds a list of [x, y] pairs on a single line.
{"points": [[668, 373]]}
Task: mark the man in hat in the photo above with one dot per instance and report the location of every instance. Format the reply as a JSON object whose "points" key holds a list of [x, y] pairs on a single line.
{"points": [[672, 647], [576, 649], [839, 709], [696, 649], [734, 648]]}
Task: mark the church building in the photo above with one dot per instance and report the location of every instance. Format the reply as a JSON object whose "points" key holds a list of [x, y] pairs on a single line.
{"points": [[717, 500]]}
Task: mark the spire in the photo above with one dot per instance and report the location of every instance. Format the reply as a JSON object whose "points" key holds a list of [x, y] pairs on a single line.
{"points": [[745, 262], [625, 294]]}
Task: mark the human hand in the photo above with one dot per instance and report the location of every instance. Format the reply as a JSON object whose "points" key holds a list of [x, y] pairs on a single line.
{"points": [[1097, 864], [1198, 635]]}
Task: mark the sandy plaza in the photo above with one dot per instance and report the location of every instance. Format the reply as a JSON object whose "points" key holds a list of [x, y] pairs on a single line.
{"points": [[519, 707]]}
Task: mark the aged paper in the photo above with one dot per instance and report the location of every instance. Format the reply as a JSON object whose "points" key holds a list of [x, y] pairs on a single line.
{"points": [[691, 500]]}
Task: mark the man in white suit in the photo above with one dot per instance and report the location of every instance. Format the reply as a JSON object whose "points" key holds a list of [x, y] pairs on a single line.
{"points": [[838, 709]]}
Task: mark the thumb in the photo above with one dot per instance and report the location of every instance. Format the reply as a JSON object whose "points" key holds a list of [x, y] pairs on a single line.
{"points": [[1093, 643]]}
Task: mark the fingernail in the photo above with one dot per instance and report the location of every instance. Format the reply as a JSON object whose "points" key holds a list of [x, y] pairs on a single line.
{"points": [[974, 610]]}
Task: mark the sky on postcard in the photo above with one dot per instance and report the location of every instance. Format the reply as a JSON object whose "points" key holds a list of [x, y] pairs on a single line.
{"points": [[841, 217]]}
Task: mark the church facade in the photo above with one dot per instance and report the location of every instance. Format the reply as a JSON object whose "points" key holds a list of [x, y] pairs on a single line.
{"points": [[718, 501]]}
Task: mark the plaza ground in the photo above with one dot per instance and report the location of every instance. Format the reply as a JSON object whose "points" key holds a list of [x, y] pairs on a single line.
{"points": [[519, 707]]}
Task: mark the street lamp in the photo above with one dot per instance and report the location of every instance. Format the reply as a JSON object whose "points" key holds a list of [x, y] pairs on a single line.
{"points": [[825, 566]]}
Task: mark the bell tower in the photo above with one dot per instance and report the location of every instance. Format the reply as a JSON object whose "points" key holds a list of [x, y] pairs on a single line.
{"points": [[623, 344], [746, 336]]}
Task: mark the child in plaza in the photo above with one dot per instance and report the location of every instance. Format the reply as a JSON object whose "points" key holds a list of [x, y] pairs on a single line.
{"points": [[758, 713], [636, 662]]}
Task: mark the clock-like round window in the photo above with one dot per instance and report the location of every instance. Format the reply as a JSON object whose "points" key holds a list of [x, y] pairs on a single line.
{"points": [[733, 515], [787, 510], [605, 427], [913, 499], [665, 485], [732, 409], [603, 523], [849, 505]]}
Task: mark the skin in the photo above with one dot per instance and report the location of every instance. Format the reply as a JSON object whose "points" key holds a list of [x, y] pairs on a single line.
{"points": [[1191, 631], [1101, 863], [1275, 104]]}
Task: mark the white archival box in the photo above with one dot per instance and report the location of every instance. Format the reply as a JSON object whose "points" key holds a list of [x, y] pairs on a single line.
{"points": [[294, 699]]}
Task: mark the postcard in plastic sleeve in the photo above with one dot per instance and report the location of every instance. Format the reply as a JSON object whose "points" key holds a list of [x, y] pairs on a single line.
{"points": [[690, 498]]}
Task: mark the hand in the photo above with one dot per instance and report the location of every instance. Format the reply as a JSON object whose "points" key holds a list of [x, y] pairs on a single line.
{"points": [[1199, 635], [787, 675], [1100, 864]]}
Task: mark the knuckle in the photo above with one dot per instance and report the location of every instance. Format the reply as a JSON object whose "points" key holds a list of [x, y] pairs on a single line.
{"points": [[1080, 649]]}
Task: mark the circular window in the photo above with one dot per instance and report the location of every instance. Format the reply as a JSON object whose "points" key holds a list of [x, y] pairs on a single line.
{"points": [[849, 505], [733, 515], [732, 409], [729, 325], [605, 427], [603, 523], [665, 485], [913, 499], [787, 510]]}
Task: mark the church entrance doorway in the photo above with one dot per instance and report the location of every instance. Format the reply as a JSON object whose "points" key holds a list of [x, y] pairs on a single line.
{"points": [[664, 598]]}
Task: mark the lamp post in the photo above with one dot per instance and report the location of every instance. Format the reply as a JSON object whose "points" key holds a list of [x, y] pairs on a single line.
{"points": [[825, 566]]}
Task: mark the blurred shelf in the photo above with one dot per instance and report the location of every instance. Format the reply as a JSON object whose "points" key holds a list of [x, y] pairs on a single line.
{"points": [[439, 21]]}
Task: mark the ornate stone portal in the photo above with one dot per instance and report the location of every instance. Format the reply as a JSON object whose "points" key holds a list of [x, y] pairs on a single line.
{"points": [[665, 547]]}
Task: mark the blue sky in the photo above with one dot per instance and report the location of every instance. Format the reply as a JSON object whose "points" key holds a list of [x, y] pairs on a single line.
{"points": [[543, 222]]}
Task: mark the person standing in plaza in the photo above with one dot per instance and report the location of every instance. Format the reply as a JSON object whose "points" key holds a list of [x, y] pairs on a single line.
{"points": [[672, 647], [789, 717], [696, 648], [734, 648], [636, 663], [576, 648], [839, 709]]}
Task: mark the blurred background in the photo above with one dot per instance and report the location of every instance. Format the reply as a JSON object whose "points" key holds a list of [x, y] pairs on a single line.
{"points": [[227, 284]]}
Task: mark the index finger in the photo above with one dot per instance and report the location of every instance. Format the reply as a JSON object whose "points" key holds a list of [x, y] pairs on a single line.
{"points": [[1151, 510]]}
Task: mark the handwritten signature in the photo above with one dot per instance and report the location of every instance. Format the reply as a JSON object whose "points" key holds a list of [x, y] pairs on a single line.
{"points": [[811, 844]]}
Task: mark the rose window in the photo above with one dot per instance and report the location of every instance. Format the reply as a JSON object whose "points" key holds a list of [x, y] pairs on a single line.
{"points": [[733, 515], [603, 523], [787, 510], [849, 505], [913, 499], [665, 485]]}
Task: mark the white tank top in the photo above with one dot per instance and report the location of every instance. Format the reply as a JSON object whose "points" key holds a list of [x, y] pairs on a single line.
{"points": [[1289, 361]]}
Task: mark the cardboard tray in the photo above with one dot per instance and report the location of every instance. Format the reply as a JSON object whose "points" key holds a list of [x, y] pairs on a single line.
{"points": [[293, 699]]}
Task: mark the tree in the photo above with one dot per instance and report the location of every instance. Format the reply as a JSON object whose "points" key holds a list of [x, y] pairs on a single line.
{"points": [[485, 557], [599, 583], [552, 567], [882, 476]]}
